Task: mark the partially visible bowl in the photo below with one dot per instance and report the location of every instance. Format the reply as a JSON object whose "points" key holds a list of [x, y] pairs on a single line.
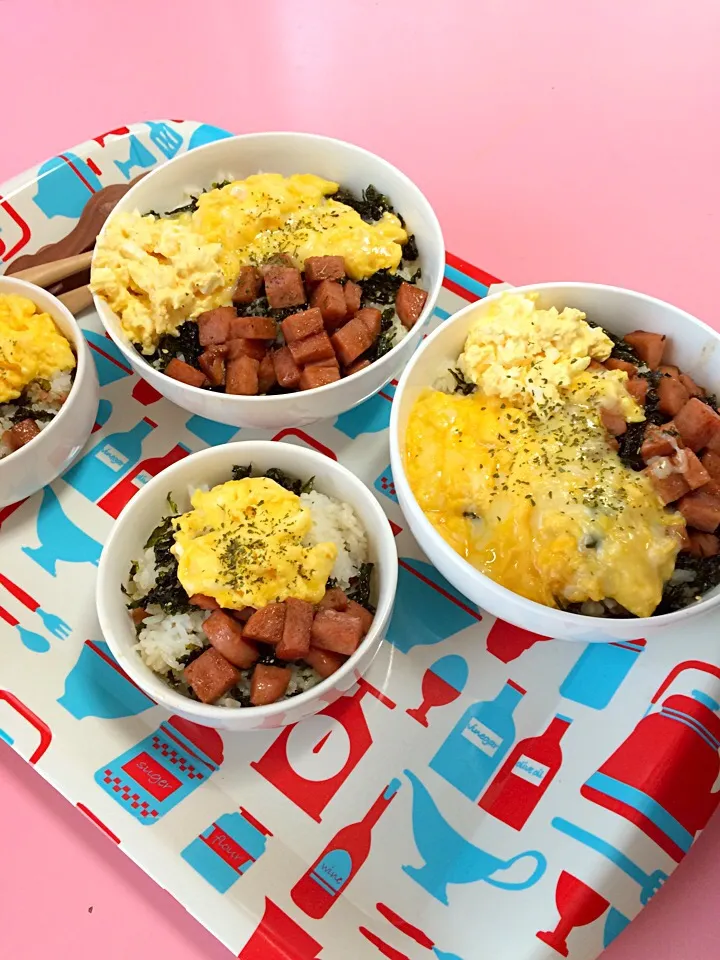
{"points": [[213, 466], [692, 346], [44, 458], [286, 153]]}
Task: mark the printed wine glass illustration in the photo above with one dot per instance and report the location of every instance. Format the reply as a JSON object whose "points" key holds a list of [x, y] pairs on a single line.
{"points": [[578, 905], [334, 869], [442, 683]]}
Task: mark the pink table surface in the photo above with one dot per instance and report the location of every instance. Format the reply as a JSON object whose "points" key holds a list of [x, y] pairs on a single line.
{"points": [[556, 140]]}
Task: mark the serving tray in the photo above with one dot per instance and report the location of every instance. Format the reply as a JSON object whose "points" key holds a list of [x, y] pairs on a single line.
{"points": [[482, 793]]}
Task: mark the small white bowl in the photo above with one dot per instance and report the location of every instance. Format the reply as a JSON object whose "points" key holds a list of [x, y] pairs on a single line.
{"points": [[286, 153], [692, 346], [41, 461], [213, 466]]}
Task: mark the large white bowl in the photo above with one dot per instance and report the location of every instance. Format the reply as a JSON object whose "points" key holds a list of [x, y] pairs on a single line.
{"points": [[286, 153], [213, 466], [39, 462], [693, 346]]}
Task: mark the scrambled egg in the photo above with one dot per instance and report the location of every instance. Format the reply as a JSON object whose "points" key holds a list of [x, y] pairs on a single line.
{"points": [[31, 346], [267, 214], [243, 544], [156, 273], [527, 355], [541, 502]]}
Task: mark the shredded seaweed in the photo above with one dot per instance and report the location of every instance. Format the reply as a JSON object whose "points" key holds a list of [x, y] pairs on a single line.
{"points": [[360, 587], [461, 384], [184, 346], [381, 287], [168, 592], [261, 308], [371, 206], [410, 250], [677, 595], [241, 473], [189, 207], [285, 480], [384, 344], [470, 515]]}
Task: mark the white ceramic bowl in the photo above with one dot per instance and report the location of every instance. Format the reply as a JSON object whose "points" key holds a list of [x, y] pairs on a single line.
{"points": [[213, 466], [39, 462], [286, 153], [693, 346]]}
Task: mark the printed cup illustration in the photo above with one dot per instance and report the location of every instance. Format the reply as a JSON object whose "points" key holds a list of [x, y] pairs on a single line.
{"points": [[332, 872], [599, 672], [479, 741], [164, 768], [452, 859], [227, 849], [97, 687], [343, 720]]}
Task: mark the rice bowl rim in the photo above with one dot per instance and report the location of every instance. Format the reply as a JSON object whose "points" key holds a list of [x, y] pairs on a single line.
{"points": [[447, 557], [49, 304], [151, 683]]}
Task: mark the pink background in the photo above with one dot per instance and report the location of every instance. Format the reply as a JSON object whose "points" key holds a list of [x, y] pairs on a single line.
{"points": [[557, 140]]}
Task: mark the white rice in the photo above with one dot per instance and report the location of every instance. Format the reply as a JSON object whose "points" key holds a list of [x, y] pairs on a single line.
{"points": [[165, 639], [335, 521], [40, 401]]}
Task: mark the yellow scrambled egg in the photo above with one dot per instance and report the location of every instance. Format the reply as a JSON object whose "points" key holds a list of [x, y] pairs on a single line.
{"points": [[243, 544], [541, 502], [157, 273], [31, 346], [527, 355]]}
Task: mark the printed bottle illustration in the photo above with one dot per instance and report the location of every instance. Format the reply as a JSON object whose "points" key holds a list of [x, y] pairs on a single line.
{"points": [[599, 671], [340, 731], [526, 775], [279, 937], [442, 683], [227, 849], [451, 858], [477, 744], [507, 642], [97, 687], [661, 777], [109, 460], [60, 538], [341, 859], [155, 775], [114, 500]]}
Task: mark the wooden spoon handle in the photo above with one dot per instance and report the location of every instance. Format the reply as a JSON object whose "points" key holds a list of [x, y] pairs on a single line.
{"points": [[46, 273], [77, 300]]}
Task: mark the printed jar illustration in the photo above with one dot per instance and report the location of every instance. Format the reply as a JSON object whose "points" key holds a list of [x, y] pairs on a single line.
{"points": [[227, 849], [661, 777], [160, 771]]}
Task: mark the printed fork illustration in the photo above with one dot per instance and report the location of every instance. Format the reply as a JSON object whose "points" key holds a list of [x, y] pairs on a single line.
{"points": [[53, 623], [33, 641]]}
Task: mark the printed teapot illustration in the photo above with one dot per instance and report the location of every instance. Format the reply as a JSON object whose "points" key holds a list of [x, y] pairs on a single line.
{"points": [[661, 777]]}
